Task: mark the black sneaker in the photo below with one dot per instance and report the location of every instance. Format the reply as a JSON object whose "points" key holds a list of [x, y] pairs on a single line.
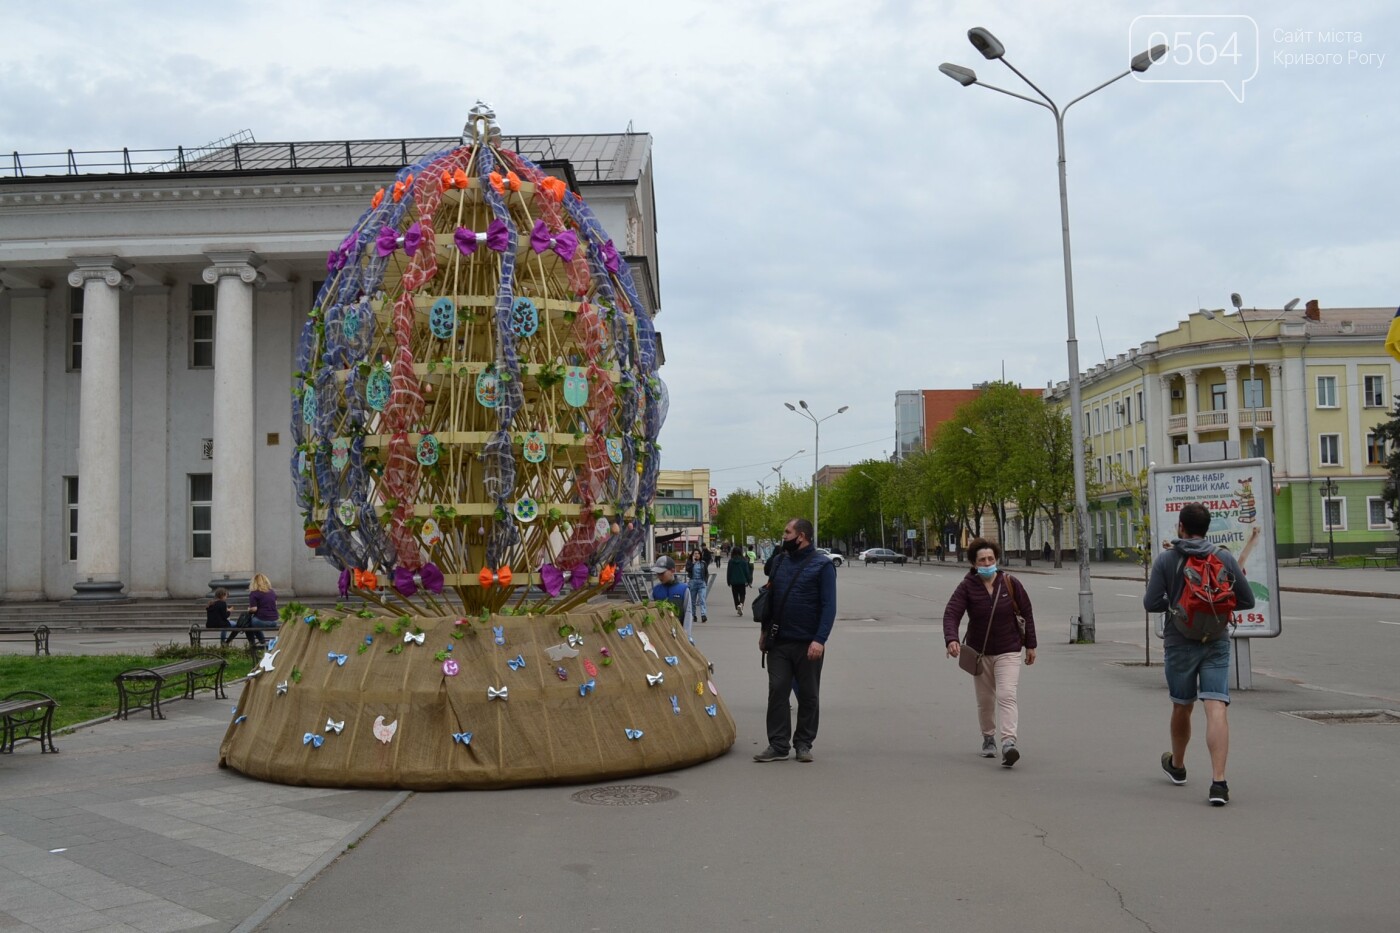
{"points": [[1010, 754], [1178, 775], [704, 618], [804, 753], [1219, 794], [771, 754]]}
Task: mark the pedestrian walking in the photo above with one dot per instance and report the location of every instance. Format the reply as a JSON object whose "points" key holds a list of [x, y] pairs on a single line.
{"points": [[803, 613], [1000, 623], [697, 577], [672, 590], [740, 577], [1194, 668]]}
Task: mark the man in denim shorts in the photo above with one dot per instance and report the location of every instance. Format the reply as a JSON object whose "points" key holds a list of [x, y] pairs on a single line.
{"points": [[1195, 669]]}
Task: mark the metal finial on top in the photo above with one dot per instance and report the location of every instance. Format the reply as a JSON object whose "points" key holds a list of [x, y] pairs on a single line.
{"points": [[481, 126]]}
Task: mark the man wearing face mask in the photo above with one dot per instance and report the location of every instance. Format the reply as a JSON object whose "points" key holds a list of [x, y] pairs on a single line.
{"points": [[804, 610]]}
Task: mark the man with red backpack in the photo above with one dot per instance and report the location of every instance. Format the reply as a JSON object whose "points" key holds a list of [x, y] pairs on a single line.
{"points": [[1200, 587]]}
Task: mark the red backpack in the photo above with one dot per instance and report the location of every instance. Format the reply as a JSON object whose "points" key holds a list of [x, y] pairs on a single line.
{"points": [[1205, 609]]}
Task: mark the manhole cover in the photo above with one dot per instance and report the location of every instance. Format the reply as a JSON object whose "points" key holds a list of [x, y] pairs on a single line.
{"points": [[624, 795], [1350, 717]]}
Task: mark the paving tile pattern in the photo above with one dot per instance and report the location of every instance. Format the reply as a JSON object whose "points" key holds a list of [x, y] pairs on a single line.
{"points": [[133, 827]]}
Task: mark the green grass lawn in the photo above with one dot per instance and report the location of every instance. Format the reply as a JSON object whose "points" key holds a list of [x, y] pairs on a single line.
{"points": [[83, 684]]}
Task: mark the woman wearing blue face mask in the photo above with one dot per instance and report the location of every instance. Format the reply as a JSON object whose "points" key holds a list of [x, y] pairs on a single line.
{"points": [[992, 600]]}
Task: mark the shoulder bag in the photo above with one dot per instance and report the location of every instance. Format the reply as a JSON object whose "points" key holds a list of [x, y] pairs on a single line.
{"points": [[1020, 619], [969, 658]]}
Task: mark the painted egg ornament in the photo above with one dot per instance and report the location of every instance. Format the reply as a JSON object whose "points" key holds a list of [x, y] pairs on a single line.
{"points": [[346, 511], [442, 318], [308, 403], [340, 452], [430, 533], [526, 509], [312, 536], [576, 386], [614, 448], [534, 447], [488, 389], [524, 318], [378, 387], [428, 450]]}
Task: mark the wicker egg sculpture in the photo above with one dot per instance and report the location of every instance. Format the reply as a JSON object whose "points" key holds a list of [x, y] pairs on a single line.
{"points": [[475, 416]]}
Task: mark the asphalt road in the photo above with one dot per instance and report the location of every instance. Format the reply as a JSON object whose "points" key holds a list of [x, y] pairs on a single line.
{"points": [[898, 825]]}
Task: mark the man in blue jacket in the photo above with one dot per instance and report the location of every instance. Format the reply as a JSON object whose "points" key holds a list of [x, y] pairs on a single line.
{"points": [[804, 609], [1195, 669]]}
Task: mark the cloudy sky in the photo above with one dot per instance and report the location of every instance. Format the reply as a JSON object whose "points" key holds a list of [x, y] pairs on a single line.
{"points": [[837, 220]]}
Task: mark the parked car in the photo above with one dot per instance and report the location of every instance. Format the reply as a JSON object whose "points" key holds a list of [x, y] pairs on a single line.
{"points": [[882, 555], [837, 557]]}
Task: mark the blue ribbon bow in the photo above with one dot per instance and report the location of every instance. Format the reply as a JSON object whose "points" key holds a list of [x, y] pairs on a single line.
{"points": [[312, 739], [712, 709], [517, 662], [624, 631], [672, 660], [464, 737], [633, 734], [239, 719], [585, 688]]}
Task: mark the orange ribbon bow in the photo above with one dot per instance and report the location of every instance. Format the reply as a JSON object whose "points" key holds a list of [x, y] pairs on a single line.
{"points": [[364, 579], [511, 181], [454, 179], [489, 576], [401, 186], [378, 198], [553, 188], [605, 576]]}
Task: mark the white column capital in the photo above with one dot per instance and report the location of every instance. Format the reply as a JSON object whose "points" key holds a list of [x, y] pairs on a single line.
{"points": [[109, 269], [244, 265], [1231, 371], [1275, 370], [1165, 381], [1189, 375]]}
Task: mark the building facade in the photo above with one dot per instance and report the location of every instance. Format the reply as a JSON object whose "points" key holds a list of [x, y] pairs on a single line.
{"points": [[1304, 388], [149, 314]]}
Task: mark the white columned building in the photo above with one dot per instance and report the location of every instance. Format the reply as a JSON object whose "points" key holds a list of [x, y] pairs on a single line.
{"points": [[100, 428]]}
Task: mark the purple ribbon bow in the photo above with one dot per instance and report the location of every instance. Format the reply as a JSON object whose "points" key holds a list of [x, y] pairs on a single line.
{"points": [[412, 239], [552, 578], [345, 583], [429, 577], [564, 245], [497, 237], [387, 241], [610, 257]]}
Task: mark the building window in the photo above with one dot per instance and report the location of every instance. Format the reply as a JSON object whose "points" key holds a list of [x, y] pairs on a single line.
{"points": [[1142, 416], [1375, 449], [1326, 391], [1377, 514], [1098, 421], [203, 299], [201, 515], [1329, 450], [1373, 392], [1217, 397], [1098, 468], [1334, 514], [1253, 393], [75, 330], [70, 517], [1087, 424], [1132, 471]]}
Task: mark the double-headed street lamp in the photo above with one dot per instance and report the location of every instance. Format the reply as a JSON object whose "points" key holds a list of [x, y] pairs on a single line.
{"points": [[816, 454], [1254, 450], [779, 468], [1329, 492], [992, 49]]}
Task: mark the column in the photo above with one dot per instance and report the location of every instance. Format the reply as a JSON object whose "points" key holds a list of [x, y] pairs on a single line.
{"points": [[1277, 456], [1291, 400], [231, 556], [25, 547], [1169, 447], [148, 566], [1191, 406], [1232, 402], [99, 428]]}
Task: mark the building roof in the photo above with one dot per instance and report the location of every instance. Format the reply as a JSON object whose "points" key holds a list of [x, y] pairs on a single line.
{"points": [[594, 157]]}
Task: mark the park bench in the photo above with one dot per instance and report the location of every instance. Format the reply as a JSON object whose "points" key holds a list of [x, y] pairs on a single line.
{"points": [[1316, 556], [199, 634], [144, 684], [27, 714], [39, 634], [1383, 556]]}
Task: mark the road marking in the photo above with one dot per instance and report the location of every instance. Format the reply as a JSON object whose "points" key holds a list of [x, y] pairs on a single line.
{"points": [[1127, 595], [1054, 587], [1384, 622]]}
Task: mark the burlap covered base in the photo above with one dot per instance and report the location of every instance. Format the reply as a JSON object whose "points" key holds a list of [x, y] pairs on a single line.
{"points": [[497, 703]]}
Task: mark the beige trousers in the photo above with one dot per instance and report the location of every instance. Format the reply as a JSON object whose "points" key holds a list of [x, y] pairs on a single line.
{"points": [[996, 686]]}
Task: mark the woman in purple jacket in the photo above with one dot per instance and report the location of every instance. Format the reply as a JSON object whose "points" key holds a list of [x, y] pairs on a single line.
{"points": [[262, 602], [992, 599]]}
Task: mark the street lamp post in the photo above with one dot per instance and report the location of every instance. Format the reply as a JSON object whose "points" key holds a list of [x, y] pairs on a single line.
{"points": [[779, 468], [1249, 342], [992, 49], [816, 455], [1329, 492]]}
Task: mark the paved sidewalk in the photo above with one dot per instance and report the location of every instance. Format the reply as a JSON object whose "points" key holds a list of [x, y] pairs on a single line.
{"points": [[133, 827]]}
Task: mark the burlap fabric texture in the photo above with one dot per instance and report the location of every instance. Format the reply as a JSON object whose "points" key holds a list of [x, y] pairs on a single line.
{"points": [[405, 719]]}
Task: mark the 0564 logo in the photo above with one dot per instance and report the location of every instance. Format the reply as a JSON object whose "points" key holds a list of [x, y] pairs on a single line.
{"points": [[1201, 49]]}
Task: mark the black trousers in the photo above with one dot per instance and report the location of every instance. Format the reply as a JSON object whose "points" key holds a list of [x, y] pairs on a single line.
{"points": [[788, 663], [739, 590]]}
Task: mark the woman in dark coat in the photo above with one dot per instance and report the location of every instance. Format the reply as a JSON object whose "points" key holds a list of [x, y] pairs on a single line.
{"points": [[988, 594], [740, 577]]}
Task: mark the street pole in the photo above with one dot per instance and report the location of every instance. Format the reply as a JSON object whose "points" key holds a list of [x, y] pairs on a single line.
{"points": [[1249, 343], [806, 412], [992, 49]]}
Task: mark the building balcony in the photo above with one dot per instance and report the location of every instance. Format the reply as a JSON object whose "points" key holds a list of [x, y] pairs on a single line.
{"points": [[1219, 420]]}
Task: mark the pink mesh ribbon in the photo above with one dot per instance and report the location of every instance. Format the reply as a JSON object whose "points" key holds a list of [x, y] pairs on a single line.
{"points": [[577, 265], [588, 330]]}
